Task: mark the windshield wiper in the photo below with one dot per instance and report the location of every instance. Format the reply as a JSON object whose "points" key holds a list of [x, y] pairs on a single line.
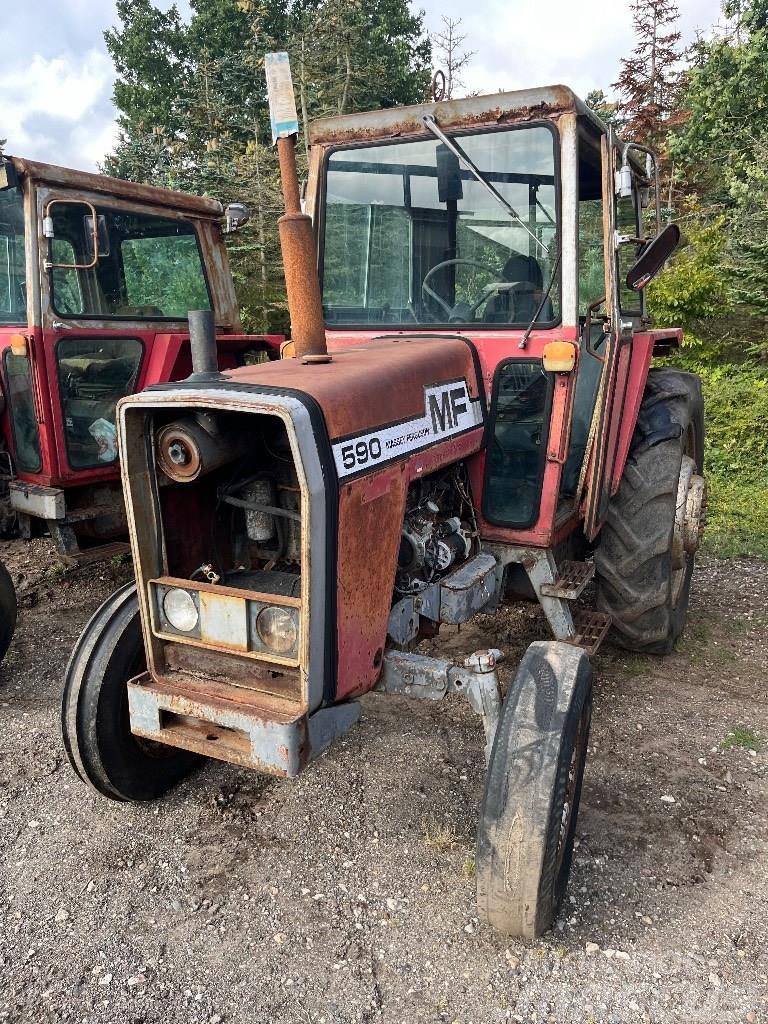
{"points": [[434, 128]]}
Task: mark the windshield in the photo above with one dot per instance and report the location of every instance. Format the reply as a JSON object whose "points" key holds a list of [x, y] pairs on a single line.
{"points": [[13, 287], [149, 268], [412, 237]]}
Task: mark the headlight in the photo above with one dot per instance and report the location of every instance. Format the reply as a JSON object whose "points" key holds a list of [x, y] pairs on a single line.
{"points": [[180, 609], [278, 629]]}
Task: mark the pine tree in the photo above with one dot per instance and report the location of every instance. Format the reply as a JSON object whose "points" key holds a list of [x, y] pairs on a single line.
{"points": [[650, 80]]}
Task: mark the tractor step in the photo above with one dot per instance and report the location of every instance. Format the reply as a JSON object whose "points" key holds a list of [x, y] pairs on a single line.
{"points": [[591, 629], [572, 578], [98, 553]]}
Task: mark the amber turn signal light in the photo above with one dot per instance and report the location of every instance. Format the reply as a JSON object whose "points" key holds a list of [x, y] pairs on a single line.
{"points": [[18, 344], [559, 356]]}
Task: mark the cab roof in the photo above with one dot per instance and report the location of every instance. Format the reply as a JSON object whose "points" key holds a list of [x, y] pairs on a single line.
{"points": [[499, 108], [51, 174]]}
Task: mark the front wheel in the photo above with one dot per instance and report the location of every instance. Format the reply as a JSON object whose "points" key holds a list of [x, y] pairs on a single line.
{"points": [[532, 792], [7, 610], [95, 721]]}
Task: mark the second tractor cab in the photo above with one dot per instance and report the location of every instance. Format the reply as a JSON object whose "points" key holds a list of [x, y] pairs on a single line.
{"points": [[459, 426], [96, 277]]}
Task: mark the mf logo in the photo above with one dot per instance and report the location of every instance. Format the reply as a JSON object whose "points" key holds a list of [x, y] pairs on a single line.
{"points": [[445, 408]]}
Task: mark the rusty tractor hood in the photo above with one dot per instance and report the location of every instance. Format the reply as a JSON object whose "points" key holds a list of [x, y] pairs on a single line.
{"points": [[395, 395], [372, 385]]}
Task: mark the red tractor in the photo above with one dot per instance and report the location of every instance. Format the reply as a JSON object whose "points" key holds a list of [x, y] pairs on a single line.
{"points": [[96, 277], [455, 425]]}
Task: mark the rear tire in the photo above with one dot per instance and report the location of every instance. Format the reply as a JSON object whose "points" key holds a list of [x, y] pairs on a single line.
{"points": [[8, 610], [643, 573], [532, 792], [94, 716]]}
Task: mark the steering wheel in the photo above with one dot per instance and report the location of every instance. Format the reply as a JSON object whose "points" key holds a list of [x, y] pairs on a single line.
{"points": [[465, 310]]}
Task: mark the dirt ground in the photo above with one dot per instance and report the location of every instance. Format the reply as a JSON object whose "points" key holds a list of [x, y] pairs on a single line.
{"points": [[347, 895]]}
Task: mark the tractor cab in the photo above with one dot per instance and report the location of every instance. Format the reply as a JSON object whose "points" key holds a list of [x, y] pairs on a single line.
{"points": [[508, 220], [96, 278]]}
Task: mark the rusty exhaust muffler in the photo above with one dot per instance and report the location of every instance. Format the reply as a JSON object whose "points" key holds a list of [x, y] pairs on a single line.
{"points": [[297, 239], [302, 284]]}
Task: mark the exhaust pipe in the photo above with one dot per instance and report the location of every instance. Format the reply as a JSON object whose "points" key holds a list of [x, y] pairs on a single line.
{"points": [[297, 242], [202, 343], [297, 239]]}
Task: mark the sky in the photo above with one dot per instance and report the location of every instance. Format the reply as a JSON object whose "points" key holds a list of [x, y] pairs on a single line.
{"points": [[56, 76]]}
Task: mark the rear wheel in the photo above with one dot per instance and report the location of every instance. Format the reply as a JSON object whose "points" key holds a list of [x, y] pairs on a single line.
{"points": [[528, 818], [94, 716], [645, 552], [7, 610]]}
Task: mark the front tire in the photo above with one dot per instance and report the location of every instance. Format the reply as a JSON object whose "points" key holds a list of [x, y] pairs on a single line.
{"points": [[8, 610], [94, 716], [645, 552], [533, 788]]}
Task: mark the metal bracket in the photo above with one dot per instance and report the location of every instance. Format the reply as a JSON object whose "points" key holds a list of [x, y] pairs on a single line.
{"points": [[541, 567], [414, 675]]}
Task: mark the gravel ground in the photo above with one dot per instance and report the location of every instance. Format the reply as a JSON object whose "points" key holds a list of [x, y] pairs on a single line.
{"points": [[347, 895]]}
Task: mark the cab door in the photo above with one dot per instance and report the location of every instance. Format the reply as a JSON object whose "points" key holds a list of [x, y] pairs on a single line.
{"points": [[621, 223]]}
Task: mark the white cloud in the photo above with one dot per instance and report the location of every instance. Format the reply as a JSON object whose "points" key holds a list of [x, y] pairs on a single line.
{"points": [[58, 110]]}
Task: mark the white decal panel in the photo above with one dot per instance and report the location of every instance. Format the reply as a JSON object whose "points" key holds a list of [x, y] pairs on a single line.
{"points": [[448, 410]]}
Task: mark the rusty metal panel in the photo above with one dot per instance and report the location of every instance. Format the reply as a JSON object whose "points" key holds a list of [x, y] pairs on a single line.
{"points": [[52, 174], [349, 390], [370, 522], [224, 621], [230, 724], [496, 109]]}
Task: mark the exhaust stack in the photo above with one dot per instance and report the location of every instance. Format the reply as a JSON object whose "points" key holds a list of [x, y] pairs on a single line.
{"points": [[297, 239], [202, 343]]}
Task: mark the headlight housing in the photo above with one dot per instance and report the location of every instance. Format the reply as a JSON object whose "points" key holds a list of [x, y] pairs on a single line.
{"points": [[278, 629], [181, 610]]}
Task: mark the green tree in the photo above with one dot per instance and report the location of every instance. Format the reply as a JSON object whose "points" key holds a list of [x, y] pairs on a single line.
{"points": [[192, 105]]}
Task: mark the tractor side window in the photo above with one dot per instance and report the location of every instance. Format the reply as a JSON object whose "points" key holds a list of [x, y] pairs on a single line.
{"points": [[591, 253], [66, 282], [162, 274], [13, 279], [148, 267], [94, 373], [21, 408], [515, 459], [628, 224]]}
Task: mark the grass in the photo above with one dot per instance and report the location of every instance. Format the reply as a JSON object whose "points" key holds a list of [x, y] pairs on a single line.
{"points": [[438, 836], [740, 736], [468, 867]]}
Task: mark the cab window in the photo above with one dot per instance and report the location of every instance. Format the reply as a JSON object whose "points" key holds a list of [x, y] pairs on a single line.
{"points": [[94, 373], [148, 267], [21, 409], [13, 282]]}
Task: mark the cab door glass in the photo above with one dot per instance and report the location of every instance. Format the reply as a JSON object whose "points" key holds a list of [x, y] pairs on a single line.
{"points": [[94, 373], [13, 280], [21, 409], [516, 451], [628, 225]]}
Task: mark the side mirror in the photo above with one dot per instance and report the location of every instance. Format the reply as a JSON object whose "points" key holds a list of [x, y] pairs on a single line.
{"points": [[653, 257], [235, 216]]}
